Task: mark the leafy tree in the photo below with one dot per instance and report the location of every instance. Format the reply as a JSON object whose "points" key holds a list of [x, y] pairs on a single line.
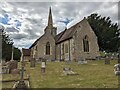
{"points": [[107, 32], [7, 47]]}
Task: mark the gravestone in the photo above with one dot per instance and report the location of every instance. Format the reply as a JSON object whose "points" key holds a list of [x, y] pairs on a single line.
{"points": [[107, 60], [15, 71], [68, 71], [82, 61], [21, 85], [5, 70], [43, 66], [32, 62], [12, 65]]}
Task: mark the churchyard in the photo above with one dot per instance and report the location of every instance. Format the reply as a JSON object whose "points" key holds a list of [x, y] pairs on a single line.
{"points": [[94, 74]]}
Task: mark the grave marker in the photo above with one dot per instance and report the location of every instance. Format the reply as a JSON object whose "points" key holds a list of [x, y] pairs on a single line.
{"points": [[82, 61], [107, 60], [12, 65], [43, 66]]}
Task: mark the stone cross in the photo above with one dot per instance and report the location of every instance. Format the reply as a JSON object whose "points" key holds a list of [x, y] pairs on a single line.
{"points": [[21, 85]]}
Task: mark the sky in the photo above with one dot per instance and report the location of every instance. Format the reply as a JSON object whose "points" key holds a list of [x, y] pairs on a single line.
{"points": [[24, 22]]}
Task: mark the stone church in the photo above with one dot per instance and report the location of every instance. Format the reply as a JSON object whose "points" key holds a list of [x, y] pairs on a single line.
{"points": [[78, 41]]}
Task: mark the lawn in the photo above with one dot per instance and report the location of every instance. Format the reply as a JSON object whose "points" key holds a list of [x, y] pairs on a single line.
{"points": [[95, 74]]}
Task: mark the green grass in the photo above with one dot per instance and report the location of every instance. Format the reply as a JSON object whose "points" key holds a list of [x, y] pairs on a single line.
{"points": [[95, 74]]}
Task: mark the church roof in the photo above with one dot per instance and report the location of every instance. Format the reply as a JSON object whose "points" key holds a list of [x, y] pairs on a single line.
{"points": [[36, 42], [67, 33], [59, 36]]}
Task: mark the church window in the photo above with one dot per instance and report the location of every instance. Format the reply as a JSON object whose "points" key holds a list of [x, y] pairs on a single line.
{"points": [[63, 49], [66, 48], [47, 48], [86, 44]]}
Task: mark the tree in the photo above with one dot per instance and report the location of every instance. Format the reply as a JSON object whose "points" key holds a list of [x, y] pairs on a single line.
{"points": [[7, 47], [107, 32]]}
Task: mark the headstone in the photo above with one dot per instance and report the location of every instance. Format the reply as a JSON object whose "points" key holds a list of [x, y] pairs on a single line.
{"points": [[68, 71], [44, 60], [107, 60], [117, 69], [43, 65], [5, 70], [32, 62], [15, 71], [21, 85], [12, 65], [82, 61]]}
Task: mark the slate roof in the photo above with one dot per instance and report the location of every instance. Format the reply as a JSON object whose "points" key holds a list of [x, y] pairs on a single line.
{"points": [[67, 33], [26, 52]]}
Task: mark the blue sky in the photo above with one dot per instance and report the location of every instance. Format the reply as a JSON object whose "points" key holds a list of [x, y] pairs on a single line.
{"points": [[25, 21]]}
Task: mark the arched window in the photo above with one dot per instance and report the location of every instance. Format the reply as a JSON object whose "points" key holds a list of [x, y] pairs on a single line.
{"points": [[66, 48], [86, 44], [62, 49], [47, 48]]}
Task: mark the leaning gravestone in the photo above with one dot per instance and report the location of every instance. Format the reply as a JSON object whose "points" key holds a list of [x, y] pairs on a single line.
{"points": [[107, 60], [12, 65], [32, 62]]}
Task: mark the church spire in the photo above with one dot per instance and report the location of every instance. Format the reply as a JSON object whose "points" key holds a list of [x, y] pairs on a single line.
{"points": [[50, 21]]}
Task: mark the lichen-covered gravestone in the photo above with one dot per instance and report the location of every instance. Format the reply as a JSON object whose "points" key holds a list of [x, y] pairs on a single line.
{"points": [[32, 62], [12, 65]]}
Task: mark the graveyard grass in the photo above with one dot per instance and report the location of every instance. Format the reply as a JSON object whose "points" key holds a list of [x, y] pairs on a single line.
{"points": [[95, 74]]}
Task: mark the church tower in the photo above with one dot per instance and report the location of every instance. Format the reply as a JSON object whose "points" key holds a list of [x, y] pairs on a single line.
{"points": [[50, 28]]}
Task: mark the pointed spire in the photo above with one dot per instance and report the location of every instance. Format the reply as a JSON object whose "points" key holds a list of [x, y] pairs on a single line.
{"points": [[50, 21]]}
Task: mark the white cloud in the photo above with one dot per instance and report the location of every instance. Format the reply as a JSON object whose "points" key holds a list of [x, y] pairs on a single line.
{"points": [[6, 7], [33, 17], [22, 10]]}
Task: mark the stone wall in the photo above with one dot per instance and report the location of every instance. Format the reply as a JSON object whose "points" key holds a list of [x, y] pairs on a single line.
{"points": [[83, 28], [41, 47]]}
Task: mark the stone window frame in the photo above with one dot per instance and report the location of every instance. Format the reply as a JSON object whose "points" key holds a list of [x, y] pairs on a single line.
{"points": [[47, 50], [86, 46]]}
